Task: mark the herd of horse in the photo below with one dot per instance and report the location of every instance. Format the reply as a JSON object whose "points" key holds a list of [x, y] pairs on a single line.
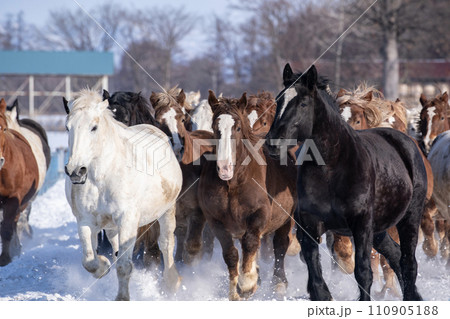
{"points": [[179, 172]]}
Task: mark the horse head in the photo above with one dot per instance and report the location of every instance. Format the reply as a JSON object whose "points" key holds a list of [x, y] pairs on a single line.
{"points": [[294, 116], [230, 126], [85, 125], [170, 114], [434, 119]]}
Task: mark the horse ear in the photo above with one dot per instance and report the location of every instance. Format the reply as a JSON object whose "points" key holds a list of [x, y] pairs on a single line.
{"points": [[181, 98], [368, 96], [423, 99], [341, 93], [311, 77], [444, 97], [287, 73], [242, 104], [105, 95], [153, 99], [2, 106], [14, 109], [66, 105], [397, 100], [212, 100]]}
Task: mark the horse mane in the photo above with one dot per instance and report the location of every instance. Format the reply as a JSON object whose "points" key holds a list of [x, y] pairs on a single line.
{"points": [[86, 98], [167, 98]]}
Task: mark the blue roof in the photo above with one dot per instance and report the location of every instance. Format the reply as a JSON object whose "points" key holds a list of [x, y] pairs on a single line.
{"points": [[56, 63]]}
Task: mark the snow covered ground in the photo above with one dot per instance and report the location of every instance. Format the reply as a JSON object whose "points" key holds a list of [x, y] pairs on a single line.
{"points": [[50, 269]]}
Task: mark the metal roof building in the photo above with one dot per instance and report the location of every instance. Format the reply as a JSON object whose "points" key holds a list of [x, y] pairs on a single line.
{"points": [[46, 63]]}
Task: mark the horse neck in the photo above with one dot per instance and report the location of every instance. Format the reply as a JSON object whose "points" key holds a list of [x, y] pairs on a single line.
{"points": [[188, 155], [242, 172], [334, 138]]}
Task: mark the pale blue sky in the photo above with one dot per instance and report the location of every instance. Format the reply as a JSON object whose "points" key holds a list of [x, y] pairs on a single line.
{"points": [[37, 12]]}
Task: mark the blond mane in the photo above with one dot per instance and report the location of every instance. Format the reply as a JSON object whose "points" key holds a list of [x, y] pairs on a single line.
{"points": [[377, 110], [168, 97], [86, 98]]}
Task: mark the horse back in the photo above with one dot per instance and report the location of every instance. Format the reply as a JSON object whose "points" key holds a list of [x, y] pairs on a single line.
{"points": [[37, 129]]}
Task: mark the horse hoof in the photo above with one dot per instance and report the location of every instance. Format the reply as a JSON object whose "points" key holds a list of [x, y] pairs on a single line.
{"points": [[430, 248], [280, 290], [4, 260], [123, 298], [234, 297], [103, 268], [172, 280], [248, 293]]}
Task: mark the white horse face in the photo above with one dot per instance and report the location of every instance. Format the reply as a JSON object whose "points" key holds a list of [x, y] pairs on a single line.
{"points": [[83, 128]]}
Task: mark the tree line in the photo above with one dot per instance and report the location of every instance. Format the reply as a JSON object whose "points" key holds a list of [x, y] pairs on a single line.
{"points": [[246, 54]]}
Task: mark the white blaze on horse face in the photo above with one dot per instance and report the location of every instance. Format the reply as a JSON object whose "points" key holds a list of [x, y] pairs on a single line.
{"points": [[431, 114], [346, 113], [391, 120], [253, 117], [289, 94], [224, 152], [171, 121]]}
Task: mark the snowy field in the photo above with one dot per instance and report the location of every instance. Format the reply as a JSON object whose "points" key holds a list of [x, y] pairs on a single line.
{"points": [[50, 269]]}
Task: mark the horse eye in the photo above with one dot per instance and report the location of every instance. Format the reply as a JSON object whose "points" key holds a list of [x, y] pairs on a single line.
{"points": [[115, 110], [357, 122], [442, 118], [183, 120], [265, 123], [238, 129], [94, 128], [303, 104]]}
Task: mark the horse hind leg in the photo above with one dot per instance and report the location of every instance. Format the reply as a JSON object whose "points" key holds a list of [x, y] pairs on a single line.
{"points": [[167, 223], [408, 229], [430, 246], [442, 227], [23, 227]]}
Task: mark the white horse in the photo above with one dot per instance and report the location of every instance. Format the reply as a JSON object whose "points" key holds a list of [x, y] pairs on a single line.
{"points": [[202, 117], [193, 98], [440, 164], [118, 179]]}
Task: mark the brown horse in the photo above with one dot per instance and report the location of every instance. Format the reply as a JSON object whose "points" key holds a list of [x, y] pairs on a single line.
{"points": [[19, 178], [246, 202], [261, 110], [363, 109], [190, 220], [434, 119]]}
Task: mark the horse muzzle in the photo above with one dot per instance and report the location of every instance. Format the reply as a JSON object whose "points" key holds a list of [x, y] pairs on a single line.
{"points": [[2, 162], [225, 171], [78, 175]]}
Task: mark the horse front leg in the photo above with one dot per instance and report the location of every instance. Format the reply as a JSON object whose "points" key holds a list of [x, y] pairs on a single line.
{"points": [[309, 236], [97, 265], [363, 237], [281, 241], [230, 256], [8, 230], [127, 239], [430, 245], [167, 243], [193, 242], [249, 272]]}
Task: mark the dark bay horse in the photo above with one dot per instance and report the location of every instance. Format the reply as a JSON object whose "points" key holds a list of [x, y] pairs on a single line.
{"points": [[372, 180], [19, 177], [246, 202], [366, 108], [190, 220]]}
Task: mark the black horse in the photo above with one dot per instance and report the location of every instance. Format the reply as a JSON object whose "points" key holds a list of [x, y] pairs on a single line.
{"points": [[371, 180]]}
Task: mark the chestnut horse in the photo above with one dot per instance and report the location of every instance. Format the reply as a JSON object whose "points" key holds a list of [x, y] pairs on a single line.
{"points": [[371, 180], [19, 179], [246, 202], [190, 219], [434, 119], [366, 108]]}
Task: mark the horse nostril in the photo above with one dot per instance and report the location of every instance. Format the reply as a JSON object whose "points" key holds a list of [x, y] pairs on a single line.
{"points": [[66, 170], [82, 171]]}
